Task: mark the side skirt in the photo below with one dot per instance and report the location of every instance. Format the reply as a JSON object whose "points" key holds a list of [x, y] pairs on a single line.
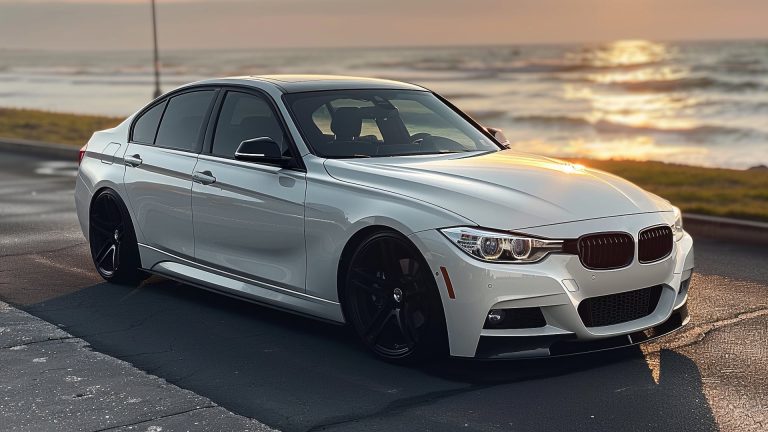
{"points": [[212, 279]]}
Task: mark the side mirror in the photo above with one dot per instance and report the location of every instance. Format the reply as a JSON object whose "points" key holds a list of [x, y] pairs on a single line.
{"points": [[499, 136], [262, 150]]}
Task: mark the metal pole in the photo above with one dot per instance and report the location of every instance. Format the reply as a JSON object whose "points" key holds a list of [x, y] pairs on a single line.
{"points": [[158, 92]]}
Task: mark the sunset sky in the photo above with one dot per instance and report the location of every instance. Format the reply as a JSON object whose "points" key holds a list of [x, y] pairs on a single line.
{"points": [[124, 24]]}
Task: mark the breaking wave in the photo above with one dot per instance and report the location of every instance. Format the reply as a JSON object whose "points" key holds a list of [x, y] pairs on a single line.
{"points": [[691, 83], [568, 122]]}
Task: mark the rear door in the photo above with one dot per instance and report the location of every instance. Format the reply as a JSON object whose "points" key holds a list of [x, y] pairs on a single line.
{"points": [[160, 161], [249, 217]]}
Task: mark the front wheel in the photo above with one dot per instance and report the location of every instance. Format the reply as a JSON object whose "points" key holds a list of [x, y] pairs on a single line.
{"points": [[113, 243], [392, 300]]}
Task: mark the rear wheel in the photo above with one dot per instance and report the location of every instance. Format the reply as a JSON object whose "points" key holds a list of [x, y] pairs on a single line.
{"points": [[113, 242], [392, 300]]}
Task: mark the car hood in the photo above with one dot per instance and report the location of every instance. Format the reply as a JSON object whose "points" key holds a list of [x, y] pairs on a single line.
{"points": [[503, 190]]}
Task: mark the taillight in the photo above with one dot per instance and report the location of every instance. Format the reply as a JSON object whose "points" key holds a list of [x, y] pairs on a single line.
{"points": [[82, 154]]}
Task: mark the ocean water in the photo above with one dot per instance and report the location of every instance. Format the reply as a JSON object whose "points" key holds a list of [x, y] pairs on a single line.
{"points": [[698, 103]]}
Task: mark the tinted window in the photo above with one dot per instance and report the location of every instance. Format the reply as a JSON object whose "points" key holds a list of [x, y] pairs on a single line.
{"points": [[145, 128], [183, 120], [243, 117], [419, 118], [322, 118], [373, 123]]}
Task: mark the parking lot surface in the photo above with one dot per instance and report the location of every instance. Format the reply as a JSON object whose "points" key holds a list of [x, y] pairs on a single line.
{"points": [[296, 374]]}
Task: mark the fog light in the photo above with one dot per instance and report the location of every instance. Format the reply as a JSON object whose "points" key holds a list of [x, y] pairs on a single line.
{"points": [[495, 316], [514, 318]]}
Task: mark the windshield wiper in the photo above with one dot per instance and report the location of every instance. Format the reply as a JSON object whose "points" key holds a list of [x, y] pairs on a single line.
{"points": [[441, 152], [354, 156]]}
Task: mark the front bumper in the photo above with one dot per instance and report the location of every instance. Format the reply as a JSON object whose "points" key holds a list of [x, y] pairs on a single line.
{"points": [[556, 286], [561, 345]]}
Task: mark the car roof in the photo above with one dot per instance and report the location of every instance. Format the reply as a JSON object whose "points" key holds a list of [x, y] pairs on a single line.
{"points": [[306, 83]]}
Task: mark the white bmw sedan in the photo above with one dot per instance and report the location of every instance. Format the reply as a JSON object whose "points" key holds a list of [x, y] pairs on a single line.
{"points": [[379, 204]]}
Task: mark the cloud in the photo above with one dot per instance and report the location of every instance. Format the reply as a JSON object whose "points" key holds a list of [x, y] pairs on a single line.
{"points": [[192, 24], [105, 2]]}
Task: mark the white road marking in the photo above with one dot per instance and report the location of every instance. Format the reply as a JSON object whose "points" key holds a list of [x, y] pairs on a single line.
{"points": [[46, 261], [57, 168]]}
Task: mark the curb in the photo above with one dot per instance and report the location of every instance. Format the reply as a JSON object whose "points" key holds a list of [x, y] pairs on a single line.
{"points": [[714, 227], [39, 148], [722, 228]]}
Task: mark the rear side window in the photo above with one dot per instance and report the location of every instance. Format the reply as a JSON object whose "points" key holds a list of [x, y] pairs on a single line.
{"points": [[145, 128], [245, 116], [183, 120]]}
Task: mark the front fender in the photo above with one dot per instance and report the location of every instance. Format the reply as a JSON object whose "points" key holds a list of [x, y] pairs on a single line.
{"points": [[336, 210]]}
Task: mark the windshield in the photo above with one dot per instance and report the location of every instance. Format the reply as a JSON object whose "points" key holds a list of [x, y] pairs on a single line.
{"points": [[377, 123]]}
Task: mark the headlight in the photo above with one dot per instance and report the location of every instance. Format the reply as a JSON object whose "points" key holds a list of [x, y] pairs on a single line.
{"points": [[501, 247], [677, 226]]}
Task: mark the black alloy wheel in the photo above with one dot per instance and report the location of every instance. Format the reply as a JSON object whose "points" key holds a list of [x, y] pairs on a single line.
{"points": [[392, 300], [113, 243]]}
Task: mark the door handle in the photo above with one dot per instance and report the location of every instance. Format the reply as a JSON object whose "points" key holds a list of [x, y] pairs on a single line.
{"points": [[133, 161], [203, 177]]}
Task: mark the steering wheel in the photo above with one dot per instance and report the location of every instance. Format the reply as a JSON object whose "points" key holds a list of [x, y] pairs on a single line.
{"points": [[419, 137]]}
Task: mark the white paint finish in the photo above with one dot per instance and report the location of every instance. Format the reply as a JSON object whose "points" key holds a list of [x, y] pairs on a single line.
{"points": [[251, 221], [210, 278], [276, 236], [570, 285], [532, 285], [503, 190], [337, 210], [159, 193]]}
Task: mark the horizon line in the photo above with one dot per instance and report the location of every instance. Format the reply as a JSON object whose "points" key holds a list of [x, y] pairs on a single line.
{"points": [[425, 46]]}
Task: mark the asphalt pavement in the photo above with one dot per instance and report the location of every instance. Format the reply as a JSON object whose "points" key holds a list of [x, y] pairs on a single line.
{"points": [[52, 381], [296, 374]]}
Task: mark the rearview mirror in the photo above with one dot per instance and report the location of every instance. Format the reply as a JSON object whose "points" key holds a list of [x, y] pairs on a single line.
{"points": [[499, 136], [262, 150]]}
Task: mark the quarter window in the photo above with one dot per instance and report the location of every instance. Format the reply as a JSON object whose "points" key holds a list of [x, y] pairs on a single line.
{"points": [[245, 116], [183, 120], [145, 128]]}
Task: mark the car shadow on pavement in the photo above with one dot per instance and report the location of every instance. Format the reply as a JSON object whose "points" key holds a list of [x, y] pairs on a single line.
{"points": [[296, 374]]}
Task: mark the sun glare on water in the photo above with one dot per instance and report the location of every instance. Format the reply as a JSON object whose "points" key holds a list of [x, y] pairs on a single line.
{"points": [[627, 53], [621, 93]]}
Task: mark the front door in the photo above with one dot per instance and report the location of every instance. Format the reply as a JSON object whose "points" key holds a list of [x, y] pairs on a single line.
{"points": [[249, 217]]}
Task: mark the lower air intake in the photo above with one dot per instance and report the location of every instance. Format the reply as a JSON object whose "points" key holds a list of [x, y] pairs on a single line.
{"points": [[619, 308]]}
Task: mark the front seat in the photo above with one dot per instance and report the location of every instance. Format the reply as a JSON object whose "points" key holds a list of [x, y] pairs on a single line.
{"points": [[346, 125]]}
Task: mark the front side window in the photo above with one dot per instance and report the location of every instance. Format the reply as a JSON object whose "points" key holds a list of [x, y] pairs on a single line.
{"points": [[377, 123], [183, 120], [145, 128], [243, 117]]}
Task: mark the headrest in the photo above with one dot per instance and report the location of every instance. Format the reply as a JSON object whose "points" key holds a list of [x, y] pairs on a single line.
{"points": [[256, 126], [347, 123]]}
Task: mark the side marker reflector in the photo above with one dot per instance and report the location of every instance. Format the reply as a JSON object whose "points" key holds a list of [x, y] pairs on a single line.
{"points": [[448, 283], [571, 285]]}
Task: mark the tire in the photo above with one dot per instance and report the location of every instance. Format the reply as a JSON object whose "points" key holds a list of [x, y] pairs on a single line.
{"points": [[112, 239], [392, 301]]}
